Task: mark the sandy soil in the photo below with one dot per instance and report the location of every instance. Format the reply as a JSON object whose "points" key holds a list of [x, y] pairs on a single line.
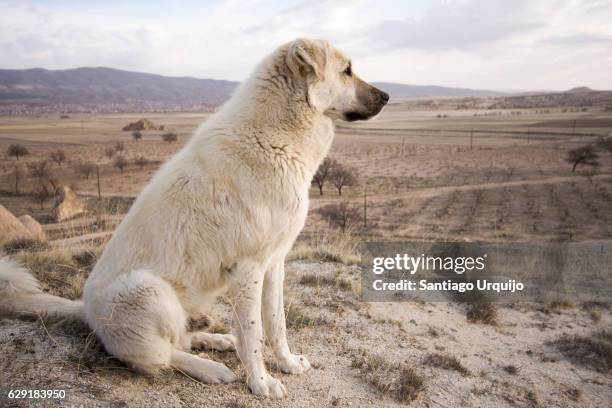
{"points": [[510, 364]]}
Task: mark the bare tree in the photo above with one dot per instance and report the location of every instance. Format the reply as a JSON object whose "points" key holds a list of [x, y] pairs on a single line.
{"points": [[16, 150], [58, 156], [169, 137], [86, 169], [109, 152], [41, 195], [40, 170], [120, 163], [322, 174], [119, 147], [341, 176], [585, 155], [141, 162], [341, 215], [137, 135]]}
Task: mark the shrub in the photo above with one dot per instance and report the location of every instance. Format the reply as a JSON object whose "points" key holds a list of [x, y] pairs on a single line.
{"points": [[17, 151], [120, 163], [58, 157], [86, 169], [322, 174], [169, 137], [341, 176], [141, 162], [585, 155], [341, 215]]}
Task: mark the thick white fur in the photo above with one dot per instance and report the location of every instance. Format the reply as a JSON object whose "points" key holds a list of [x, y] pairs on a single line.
{"points": [[221, 214]]}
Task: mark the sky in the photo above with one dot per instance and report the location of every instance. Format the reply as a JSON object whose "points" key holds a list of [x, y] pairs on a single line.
{"points": [[485, 44]]}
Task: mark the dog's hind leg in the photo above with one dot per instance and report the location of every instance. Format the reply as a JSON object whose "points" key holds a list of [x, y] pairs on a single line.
{"points": [[141, 321], [212, 341]]}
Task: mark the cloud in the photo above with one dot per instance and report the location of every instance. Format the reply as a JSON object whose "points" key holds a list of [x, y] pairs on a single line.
{"points": [[459, 25], [537, 44], [578, 39]]}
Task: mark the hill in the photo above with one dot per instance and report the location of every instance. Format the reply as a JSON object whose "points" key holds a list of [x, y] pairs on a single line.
{"points": [[105, 90], [112, 90], [402, 90]]}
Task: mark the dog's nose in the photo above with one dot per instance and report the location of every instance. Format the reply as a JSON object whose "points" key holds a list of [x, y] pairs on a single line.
{"points": [[384, 96]]}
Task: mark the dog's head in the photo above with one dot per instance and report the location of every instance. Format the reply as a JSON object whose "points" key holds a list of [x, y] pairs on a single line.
{"points": [[333, 88]]}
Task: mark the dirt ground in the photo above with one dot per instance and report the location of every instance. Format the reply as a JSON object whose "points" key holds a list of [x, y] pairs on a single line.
{"points": [[513, 363], [442, 174]]}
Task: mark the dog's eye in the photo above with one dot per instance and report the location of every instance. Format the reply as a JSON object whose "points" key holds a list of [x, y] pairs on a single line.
{"points": [[349, 70]]}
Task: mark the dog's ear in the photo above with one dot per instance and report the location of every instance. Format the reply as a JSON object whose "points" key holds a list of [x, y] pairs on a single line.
{"points": [[306, 57]]}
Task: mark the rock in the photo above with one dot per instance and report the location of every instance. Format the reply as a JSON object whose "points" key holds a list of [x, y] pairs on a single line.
{"points": [[12, 229], [33, 226], [142, 124], [67, 204]]}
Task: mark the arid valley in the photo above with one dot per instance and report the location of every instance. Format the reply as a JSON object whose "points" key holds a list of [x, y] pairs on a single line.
{"points": [[446, 169]]}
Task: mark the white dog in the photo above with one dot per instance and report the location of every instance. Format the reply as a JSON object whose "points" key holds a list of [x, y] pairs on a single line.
{"points": [[222, 213]]}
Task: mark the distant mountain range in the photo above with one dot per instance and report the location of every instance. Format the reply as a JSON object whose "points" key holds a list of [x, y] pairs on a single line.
{"points": [[35, 91], [402, 90], [113, 90], [107, 89]]}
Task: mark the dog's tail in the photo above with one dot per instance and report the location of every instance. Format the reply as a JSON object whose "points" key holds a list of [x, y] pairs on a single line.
{"points": [[20, 295]]}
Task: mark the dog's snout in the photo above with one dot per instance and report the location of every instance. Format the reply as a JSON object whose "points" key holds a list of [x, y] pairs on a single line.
{"points": [[384, 97]]}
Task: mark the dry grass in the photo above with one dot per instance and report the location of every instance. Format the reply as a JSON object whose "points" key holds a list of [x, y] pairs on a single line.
{"points": [[297, 318], [446, 362], [399, 381], [557, 306], [511, 369], [318, 280], [61, 271], [592, 351], [483, 312], [23, 245], [330, 246]]}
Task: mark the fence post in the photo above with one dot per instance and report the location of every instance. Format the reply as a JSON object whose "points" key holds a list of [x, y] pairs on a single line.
{"points": [[16, 179], [528, 133], [98, 176], [471, 137], [365, 206]]}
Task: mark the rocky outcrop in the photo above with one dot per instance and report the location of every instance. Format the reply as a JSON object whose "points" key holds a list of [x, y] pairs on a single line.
{"points": [[12, 229], [36, 231], [142, 124], [67, 204]]}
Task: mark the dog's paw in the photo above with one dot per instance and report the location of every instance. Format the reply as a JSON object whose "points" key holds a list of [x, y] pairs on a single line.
{"points": [[294, 364], [267, 386], [216, 373]]}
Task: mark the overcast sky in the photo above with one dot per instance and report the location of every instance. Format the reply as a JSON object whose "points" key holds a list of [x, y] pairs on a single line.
{"points": [[492, 44]]}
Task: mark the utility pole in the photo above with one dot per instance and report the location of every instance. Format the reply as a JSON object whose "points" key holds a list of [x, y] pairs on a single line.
{"points": [[98, 176], [528, 133], [471, 137], [365, 206], [16, 179]]}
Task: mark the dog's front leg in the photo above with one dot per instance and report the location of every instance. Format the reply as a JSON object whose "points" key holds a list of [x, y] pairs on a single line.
{"points": [[245, 282], [274, 321]]}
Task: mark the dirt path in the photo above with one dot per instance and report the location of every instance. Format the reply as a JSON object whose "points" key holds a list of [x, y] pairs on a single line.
{"points": [[318, 201]]}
